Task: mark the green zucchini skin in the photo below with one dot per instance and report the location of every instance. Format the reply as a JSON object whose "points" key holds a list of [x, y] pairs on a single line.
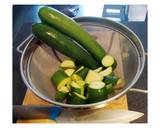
{"points": [[83, 73], [60, 96], [63, 44], [96, 95], [111, 79], [74, 99], [58, 76], [68, 26], [109, 88]]}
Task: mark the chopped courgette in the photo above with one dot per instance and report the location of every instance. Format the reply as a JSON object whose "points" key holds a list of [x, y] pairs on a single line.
{"points": [[106, 72], [82, 84], [75, 98], [93, 76], [75, 77], [61, 94], [63, 83], [68, 64], [96, 92], [98, 69], [83, 72], [111, 79], [75, 87], [109, 61], [109, 88], [69, 72], [79, 69], [58, 77]]}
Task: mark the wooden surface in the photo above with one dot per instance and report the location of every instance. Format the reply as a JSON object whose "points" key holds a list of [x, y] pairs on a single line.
{"points": [[32, 99], [104, 38]]}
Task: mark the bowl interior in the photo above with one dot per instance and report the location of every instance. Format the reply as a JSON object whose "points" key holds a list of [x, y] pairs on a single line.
{"points": [[43, 62]]}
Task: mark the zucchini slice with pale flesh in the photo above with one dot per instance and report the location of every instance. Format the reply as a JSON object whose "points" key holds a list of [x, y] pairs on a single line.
{"points": [[69, 72], [63, 83], [83, 86], [93, 76], [75, 87], [79, 69], [96, 92], [61, 94], [75, 77], [106, 72], [82, 73], [68, 64], [58, 77], [75, 98], [98, 69], [109, 61]]}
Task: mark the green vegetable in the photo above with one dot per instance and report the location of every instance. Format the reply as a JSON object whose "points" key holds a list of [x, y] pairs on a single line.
{"points": [[67, 64], [63, 44], [68, 26], [83, 72], [58, 77], [110, 79], [75, 77], [75, 98], [63, 83], [61, 94], [109, 61], [96, 92], [79, 69], [75, 87], [109, 88], [93, 76], [106, 72], [98, 69], [83, 86], [69, 72]]}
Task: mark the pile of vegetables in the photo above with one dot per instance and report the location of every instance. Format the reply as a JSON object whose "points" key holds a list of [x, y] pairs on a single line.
{"points": [[88, 76], [80, 85]]}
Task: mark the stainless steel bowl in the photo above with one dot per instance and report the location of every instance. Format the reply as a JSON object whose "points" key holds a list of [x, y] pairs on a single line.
{"points": [[39, 62]]}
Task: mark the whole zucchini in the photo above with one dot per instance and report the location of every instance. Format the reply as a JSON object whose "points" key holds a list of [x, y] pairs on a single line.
{"points": [[63, 44], [68, 26]]}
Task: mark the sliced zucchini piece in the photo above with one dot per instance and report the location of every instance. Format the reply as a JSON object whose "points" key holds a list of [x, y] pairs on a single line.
{"points": [[93, 76], [111, 79], [75, 77], [61, 94], [64, 82], [69, 72], [75, 98], [67, 64], [98, 69], [119, 81], [109, 61], [83, 72], [96, 92], [79, 69], [109, 88], [58, 77], [82, 84], [106, 72], [75, 87]]}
